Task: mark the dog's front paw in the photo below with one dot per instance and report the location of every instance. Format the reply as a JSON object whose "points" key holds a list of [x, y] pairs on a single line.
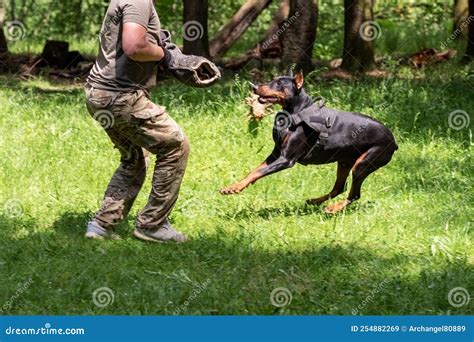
{"points": [[233, 189], [317, 201]]}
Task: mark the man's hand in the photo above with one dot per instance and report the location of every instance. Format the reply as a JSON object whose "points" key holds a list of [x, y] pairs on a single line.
{"points": [[136, 45]]}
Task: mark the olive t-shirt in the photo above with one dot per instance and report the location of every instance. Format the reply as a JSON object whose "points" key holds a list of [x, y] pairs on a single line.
{"points": [[113, 70]]}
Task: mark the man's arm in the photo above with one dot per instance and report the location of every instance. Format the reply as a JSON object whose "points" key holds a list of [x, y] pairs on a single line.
{"points": [[136, 45]]}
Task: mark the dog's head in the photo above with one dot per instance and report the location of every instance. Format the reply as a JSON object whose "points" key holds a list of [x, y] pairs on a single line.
{"points": [[280, 90]]}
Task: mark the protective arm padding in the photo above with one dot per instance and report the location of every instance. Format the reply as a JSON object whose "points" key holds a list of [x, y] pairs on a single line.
{"points": [[192, 70]]}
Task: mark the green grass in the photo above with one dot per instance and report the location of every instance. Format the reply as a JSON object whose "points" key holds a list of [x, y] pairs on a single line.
{"points": [[410, 235]]}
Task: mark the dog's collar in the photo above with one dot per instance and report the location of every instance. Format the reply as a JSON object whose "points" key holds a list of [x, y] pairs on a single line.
{"points": [[316, 117], [312, 114]]}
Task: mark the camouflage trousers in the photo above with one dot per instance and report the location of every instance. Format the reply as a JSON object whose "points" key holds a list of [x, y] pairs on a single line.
{"points": [[138, 127]]}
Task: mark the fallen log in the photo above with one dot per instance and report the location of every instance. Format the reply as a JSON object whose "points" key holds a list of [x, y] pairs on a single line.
{"points": [[234, 29], [429, 56], [270, 46]]}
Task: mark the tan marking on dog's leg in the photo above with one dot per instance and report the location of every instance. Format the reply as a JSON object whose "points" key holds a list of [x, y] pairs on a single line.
{"points": [[336, 207]]}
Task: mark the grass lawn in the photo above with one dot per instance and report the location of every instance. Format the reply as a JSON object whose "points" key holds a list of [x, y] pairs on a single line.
{"points": [[399, 250]]}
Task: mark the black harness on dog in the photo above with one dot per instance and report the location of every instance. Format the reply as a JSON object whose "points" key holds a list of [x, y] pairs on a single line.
{"points": [[317, 117]]}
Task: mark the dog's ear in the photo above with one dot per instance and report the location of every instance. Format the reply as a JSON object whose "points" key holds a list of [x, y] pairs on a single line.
{"points": [[299, 80], [290, 73]]}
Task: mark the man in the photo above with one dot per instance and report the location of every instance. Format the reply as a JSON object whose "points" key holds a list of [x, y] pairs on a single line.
{"points": [[117, 92]]}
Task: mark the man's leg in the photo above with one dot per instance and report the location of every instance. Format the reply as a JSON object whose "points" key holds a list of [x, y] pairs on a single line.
{"points": [[169, 170], [129, 176], [158, 133], [125, 184], [171, 161]]}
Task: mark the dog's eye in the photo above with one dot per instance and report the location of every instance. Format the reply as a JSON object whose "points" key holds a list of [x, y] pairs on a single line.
{"points": [[279, 83]]}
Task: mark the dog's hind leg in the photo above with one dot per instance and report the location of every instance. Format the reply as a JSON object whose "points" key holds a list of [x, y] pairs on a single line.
{"points": [[343, 171], [368, 162]]}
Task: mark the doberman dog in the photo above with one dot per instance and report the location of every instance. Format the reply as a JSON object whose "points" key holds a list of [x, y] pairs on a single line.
{"points": [[307, 132]]}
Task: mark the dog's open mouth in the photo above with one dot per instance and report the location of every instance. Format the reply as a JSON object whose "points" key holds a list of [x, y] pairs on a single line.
{"points": [[268, 99]]}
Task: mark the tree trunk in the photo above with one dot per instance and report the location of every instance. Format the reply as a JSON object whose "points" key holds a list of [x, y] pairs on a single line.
{"points": [[77, 8], [22, 10], [360, 31], [279, 18], [239, 23], [3, 40], [460, 12], [470, 36], [298, 34], [12, 10], [195, 33]]}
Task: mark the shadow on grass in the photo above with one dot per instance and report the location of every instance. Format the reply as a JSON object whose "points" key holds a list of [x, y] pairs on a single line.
{"points": [[74, 224], [288, 209], [147, 278]]}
